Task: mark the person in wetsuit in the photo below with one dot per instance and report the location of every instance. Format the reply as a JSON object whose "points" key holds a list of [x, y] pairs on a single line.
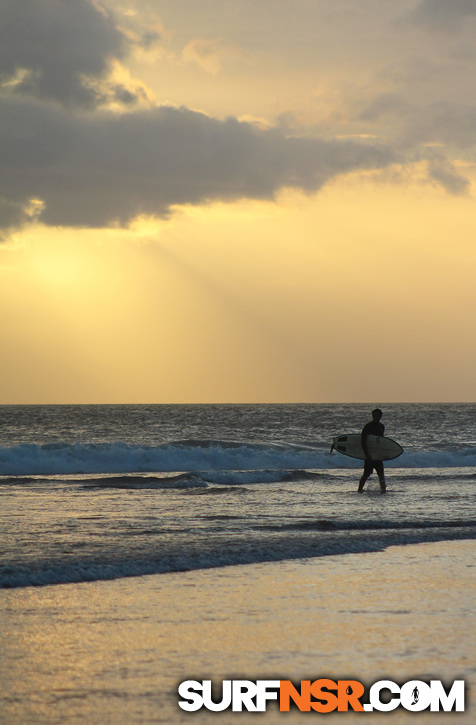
{"points": [[376, 428]]}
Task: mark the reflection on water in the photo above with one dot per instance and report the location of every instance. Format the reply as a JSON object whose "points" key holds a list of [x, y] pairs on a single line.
{"points": [[114, 652]]}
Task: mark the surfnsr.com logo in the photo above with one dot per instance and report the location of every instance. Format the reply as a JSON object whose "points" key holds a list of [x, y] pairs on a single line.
{"points": [[322, 696]]}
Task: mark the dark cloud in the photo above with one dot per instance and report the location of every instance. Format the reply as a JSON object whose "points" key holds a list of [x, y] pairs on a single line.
{"points": [[94, 168], [443, 14], [98, 168], [453, 124], [434, 132], [445, 174], [12, 215], [448, 123], [53, 49], [386, 105], [81, 166]]}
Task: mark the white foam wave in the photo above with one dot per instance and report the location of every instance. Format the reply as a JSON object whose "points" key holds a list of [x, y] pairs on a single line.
{"points": [[34, 460], [205, 555], [30, 460]]}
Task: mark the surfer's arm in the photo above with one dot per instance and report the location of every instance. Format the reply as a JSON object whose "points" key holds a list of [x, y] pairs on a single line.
{"points": [[364, 446], [364, 443]]}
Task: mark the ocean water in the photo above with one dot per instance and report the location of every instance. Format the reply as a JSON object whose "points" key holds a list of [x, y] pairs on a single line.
{"points": [[94, 493]]}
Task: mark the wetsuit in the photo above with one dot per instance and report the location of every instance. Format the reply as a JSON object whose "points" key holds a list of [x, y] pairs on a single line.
{"points": [[377, 429]]}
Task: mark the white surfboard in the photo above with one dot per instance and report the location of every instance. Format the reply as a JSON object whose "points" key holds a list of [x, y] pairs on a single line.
{"points": [[379, 447]]}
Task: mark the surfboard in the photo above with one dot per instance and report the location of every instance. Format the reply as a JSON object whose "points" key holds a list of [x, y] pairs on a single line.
{"points": [[379, 447]]}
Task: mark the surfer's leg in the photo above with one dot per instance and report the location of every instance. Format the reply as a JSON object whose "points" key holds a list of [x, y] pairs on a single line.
{"points": [[362, 483], [368, 468], [381, 475]]}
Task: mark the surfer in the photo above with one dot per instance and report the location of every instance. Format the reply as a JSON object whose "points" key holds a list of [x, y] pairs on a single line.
{"points": [[376, 428]]}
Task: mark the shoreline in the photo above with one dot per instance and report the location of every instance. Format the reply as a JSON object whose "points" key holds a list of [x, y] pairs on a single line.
{"points": [[115, 651], [232, 555]]}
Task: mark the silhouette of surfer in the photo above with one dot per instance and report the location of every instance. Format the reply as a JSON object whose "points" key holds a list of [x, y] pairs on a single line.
{"points": [[376, 428]]}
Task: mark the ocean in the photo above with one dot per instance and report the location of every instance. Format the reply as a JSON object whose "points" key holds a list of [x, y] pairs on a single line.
{"points": [[99, 492], [182, 511]]}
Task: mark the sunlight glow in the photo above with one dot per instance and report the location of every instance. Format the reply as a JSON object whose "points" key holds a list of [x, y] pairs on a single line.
{"points": [[250, 301]]}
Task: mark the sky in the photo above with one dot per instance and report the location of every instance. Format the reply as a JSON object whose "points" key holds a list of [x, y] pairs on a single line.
{"points": [[237, 201]]}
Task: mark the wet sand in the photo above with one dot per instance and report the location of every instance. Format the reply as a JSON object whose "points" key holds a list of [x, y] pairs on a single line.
{"points": [[115, 651]]}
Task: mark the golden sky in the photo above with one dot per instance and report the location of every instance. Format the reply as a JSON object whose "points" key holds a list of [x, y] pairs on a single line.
{"points": [[237, 201]]}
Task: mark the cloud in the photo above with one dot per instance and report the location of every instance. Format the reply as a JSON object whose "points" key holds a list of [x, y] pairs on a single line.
{"points": [[14, 215], [443, 14], [57, 50], [446, 176], [210, 54], [445, 122], [434, 132], [96, 169], [452, 124], [386, 105], [59, 58]]}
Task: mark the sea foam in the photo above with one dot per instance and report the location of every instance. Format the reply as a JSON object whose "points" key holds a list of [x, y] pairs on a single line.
{"points": [[189, 456]]}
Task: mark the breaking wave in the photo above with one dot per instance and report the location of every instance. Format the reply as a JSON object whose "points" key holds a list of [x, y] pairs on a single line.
{"points": [[210, 455]]}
